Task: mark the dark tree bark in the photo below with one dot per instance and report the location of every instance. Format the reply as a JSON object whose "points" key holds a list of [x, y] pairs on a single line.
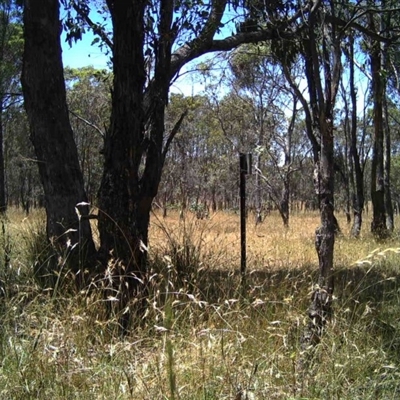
{"points": [[51, 133], [387, 163], [124, 205], [4, 26], [258, 195], [3, 202], [136, 143], [378, 225], [323, 93], [285, 199], [134, 150]]}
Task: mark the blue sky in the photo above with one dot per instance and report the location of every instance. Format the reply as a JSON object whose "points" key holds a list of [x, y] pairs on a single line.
{"points": [[82, 53]]}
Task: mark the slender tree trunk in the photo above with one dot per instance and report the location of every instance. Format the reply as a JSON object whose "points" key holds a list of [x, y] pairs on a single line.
{"points": [[378, 225], [50, 130], [3, 202], [323, 94], [320, 309], [358, 196], [348, 170], [387, 163], [4, 26], [258, 218], [284, 204]]}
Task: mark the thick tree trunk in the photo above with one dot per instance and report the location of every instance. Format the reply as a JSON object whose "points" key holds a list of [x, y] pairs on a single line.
{"points": [[123, 211], [134, 158], [51, 133]]}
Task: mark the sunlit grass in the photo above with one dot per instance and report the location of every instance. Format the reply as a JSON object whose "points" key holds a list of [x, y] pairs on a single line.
{"points": [[201, 338]]}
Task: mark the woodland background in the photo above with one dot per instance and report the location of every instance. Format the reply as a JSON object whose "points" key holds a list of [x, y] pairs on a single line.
{"points": [[119, 198]]}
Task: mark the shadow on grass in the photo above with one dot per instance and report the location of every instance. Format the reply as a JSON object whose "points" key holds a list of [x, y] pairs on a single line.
{"points": [[372, 293]]}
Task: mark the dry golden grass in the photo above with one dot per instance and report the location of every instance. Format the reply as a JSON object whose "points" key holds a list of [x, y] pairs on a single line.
{"points": [[269, 245], [202, 339]]}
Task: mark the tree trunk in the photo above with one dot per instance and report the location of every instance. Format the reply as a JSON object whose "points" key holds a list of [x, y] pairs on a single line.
{"points": [[124, 212], [50, 130], [378, 225], [320, 309], [5, 22], [133, 155], [284, 204], [387, 163], [358, 196], [258, 199], [322, 96], [3, 203]]}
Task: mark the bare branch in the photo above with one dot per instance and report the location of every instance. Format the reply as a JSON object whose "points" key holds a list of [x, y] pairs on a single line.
{"points": [[173, 133], [94, 126]]}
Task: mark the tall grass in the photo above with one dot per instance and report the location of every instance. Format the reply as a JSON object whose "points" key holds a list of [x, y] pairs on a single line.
{"points": [[201, 339]]}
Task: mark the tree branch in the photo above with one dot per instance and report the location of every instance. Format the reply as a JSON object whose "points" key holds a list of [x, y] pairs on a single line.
{"points": [[173, 133], [88, 123], [352, 24], [96, 28]]}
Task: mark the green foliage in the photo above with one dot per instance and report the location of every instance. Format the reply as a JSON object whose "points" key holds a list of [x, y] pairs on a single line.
{"points": [[248, 62], [89, 101], [11, 48]]}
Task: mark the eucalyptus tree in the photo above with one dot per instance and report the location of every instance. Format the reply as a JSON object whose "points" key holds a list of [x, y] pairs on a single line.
{"points": [[321, 49], [381, 20], [318, 48], [355, 162], [258, 76], [50, 131], [390, 29], [151, 42], [10, 69], [378, 225]]}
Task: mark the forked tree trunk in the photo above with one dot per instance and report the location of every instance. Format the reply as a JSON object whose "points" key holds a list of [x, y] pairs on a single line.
{"points": [[133, 156], [322, 97], [123, 211], [50, 130]]}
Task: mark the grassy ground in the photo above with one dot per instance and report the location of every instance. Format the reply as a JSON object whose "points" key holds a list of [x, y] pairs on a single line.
{"points": [[201, 338]]}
